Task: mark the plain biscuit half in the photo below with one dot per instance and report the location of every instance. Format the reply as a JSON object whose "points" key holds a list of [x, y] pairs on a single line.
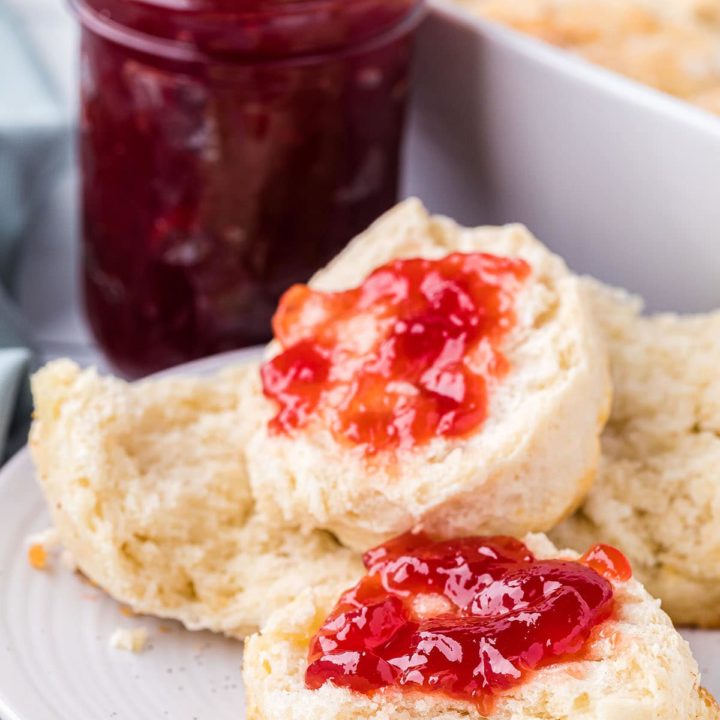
{"points": [[147, 487], [657, 495], [526, 468], [636, 668]]}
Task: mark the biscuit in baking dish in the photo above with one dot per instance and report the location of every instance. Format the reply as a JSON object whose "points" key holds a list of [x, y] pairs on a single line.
{"points": [[670, 45], [524, 469], [657, 494], [147, 487], [636, 668]]}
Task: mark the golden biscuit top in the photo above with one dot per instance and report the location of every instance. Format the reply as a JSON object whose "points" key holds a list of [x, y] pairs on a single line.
{"points": [[670, 45]]}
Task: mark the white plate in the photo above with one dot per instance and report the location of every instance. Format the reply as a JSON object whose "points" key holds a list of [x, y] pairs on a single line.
{"points": [[55, 657]]}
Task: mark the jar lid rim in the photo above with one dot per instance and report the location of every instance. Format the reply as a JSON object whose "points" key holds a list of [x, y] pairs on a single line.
{"points": [[179, 50], [284, 5]]}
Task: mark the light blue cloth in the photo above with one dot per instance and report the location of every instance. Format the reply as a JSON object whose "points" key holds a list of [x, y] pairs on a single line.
{"points": [[34, 145]]}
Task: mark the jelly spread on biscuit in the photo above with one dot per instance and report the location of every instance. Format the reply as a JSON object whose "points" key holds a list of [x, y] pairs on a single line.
{"points": [[409, 355], [608, 561], [466, 618]]}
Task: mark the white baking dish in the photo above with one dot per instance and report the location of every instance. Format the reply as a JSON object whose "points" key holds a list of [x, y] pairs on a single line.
{"points": [[621, 180]]}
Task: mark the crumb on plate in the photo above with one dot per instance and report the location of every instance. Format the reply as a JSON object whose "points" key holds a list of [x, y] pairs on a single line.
{"points": [[43, 545], [131, 639], [37, 557]]}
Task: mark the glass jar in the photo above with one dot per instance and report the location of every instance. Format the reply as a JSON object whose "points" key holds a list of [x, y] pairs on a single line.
{"points": [[229, 148]]}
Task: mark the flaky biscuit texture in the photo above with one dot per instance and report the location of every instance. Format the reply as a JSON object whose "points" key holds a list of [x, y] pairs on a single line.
{"points": [[657, 495], [147, 487]]}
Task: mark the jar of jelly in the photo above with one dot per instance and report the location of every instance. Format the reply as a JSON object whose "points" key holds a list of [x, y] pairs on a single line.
{"points": [[229, 148]]}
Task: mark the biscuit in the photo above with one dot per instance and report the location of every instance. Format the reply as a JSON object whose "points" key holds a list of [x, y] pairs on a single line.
{"points": [[147, 487], [657, 495], [524, 469], [670, 45], [636, 668]]}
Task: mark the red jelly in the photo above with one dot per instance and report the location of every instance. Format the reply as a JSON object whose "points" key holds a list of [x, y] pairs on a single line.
{"points": [[229, 148], [608, 561], [465, 618], [409, 355]]}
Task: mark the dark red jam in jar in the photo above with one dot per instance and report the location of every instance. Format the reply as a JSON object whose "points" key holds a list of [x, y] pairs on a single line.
{"points": [[466, 618], [229, 148], [407, 356]]}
